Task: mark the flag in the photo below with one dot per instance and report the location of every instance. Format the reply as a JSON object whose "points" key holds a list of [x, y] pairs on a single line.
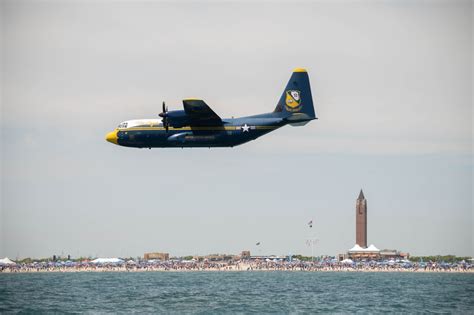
{"points": [[310, 223]]}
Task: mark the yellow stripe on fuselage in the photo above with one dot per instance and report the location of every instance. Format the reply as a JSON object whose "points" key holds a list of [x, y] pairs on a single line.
{"points": [[216, 128]]}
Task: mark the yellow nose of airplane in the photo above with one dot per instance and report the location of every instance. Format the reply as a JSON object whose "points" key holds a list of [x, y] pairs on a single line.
{"points": [[112, 137]]}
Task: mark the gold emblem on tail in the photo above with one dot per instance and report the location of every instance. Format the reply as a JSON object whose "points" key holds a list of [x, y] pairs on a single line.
{"points": [[293, 100]]}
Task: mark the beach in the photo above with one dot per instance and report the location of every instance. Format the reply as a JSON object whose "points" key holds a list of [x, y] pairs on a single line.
{"points": [[238, 266]]}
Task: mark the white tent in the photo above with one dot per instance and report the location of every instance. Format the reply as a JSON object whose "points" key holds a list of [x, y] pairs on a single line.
{"points": [[372, 248], [7, 261], [107, 261], [356, 248], [347, 261]]}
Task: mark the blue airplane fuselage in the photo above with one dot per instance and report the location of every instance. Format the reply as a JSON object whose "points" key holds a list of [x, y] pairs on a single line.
{"points": [[199, 126], [234, 131]]}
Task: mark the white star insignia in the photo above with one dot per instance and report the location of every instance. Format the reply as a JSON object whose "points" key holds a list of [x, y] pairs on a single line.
{"points": [[245, 128]]}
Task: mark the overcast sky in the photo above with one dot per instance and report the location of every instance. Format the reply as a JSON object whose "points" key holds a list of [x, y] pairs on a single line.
{"points": [[392, 86]]}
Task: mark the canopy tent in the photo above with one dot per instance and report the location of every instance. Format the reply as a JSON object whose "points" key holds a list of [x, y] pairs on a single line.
{"points": [[356, 248], [372, 248], [347, 261], [107, 261], [7, 261]]}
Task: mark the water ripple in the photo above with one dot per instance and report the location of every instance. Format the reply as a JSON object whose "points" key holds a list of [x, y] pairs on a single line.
{"points": [[236, 292]]}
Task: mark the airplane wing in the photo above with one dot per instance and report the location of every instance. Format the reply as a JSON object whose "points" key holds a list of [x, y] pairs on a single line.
{"points": [[200, 113]]}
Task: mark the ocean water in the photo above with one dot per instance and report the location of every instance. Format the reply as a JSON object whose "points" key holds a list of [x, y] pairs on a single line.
{"points": [[231, 292]]}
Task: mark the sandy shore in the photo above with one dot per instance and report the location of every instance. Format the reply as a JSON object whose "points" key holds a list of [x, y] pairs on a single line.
{"points": [[234, 268]]}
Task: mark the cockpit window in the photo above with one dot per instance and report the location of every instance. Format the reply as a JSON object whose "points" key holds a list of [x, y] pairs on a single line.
{"points": [[123, 125]]}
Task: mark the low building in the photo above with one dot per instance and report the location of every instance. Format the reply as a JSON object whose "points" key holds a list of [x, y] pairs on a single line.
{"points": [[160, 256], [357, 252], [245, 254], [393, 254], [219, 257], [341, 257], [372, 253]]}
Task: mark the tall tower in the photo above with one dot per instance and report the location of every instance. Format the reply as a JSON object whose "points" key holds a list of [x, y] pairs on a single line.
{"points": [[361, 220]]}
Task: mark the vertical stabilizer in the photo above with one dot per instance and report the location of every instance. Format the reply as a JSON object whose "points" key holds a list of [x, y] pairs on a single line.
{"points": [[296, 102]]}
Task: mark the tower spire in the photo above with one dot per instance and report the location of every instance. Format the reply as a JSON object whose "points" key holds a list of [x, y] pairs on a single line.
{"points": [[361, 220]]}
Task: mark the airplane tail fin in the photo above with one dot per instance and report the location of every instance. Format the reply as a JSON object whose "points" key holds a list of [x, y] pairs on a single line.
{"points": [[296, 102]]}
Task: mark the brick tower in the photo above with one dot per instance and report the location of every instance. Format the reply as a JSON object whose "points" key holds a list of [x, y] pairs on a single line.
{"points": [[361, 220]]}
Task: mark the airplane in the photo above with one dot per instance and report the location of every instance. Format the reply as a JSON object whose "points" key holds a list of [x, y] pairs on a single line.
{"points": [[199, 126]]}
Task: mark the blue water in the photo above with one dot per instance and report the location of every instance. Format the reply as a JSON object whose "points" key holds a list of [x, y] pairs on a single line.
{"points": [[230, 292]]}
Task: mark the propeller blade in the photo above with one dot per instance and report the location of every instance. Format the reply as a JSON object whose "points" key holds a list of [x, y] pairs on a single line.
{"points": [[164, 116]]}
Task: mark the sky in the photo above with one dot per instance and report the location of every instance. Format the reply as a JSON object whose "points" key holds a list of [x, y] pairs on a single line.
{"points": [[392, 87]]}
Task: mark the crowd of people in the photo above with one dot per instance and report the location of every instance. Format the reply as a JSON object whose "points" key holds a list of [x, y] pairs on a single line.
{"points": [[238, 265]]}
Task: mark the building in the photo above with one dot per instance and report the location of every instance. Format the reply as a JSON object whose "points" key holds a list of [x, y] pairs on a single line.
{"points": [[393, 254], [160, 256], [357, 252], [361, 220], [360, 251], [245, 254]]}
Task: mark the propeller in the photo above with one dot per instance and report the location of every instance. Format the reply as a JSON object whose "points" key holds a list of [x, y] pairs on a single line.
{"points": [[164, 115]]}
